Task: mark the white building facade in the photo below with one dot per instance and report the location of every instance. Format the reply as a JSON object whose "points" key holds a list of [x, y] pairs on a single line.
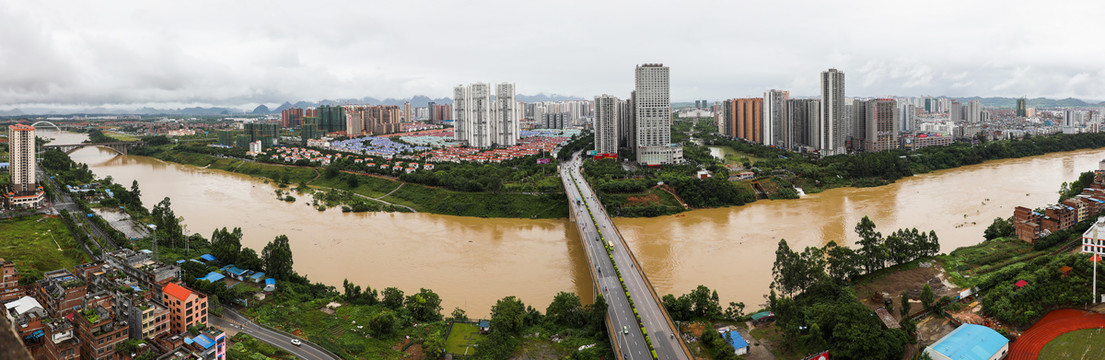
{"points": [[607, 115], [834, 124], [652, 103]]}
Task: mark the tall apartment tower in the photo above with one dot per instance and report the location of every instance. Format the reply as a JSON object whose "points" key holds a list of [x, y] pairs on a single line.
{"points": [[882, 125], [833, 122], [775, 118], [908, 113], [804, 129], [653, 114], [1022, 107], [974, 111], [472, 114], [607, 117], [746, 119], [505, 126], [857, 119], [21, 149]]}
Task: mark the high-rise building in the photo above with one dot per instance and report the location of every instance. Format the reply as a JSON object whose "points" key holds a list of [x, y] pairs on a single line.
{"points": [[652, 102], [505, 126], [607, 117], [745, 119], [857, 119], [483, 123], [1022, 107], [23, 190], [974, 112], [907, 113], [804, 131], [955, 114], [407, 115], [291, 117], [775, 118], [833, 122], [882, 125], [331, 118]]}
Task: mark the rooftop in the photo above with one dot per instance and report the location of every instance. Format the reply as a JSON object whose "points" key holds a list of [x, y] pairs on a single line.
{"points": [[177, 291]]}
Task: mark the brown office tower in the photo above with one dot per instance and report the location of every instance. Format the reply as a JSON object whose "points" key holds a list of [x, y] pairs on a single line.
{"points": [[745, 119]]}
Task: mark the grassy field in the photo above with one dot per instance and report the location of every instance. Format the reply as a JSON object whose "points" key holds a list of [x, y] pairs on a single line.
{"points": [[449, 202], [969, 265], [734, 157], [366, 185], [120, 136], [243, 346], [346, 332], [1081, 344], [461, 336], [32, 244]]}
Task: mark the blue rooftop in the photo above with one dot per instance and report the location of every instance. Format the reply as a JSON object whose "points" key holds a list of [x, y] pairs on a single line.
{"points": [[485, 323], [734, 338], [257, 276], [204, 341], [233, 270], [970, 342], [270, 281], [212, 277], [208, 257]]}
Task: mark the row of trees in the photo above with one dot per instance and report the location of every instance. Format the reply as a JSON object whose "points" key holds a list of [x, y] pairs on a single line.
{"points": [[701, 304], [422, 306], [795, 271], [565, 315]]}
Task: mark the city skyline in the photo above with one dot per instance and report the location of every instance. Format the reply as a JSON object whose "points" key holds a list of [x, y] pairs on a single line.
{"points": [[180, 55]]}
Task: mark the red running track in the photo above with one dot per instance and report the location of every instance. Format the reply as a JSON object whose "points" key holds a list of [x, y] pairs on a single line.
{"points": [[1055, 323]]}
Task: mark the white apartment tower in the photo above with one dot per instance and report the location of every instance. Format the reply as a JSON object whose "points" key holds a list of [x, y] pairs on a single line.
{"points": [[834, 125], [608, 112], [652, 105], [974, 112], [23, 190], [505, 125], [775, 118], [472, 115]]}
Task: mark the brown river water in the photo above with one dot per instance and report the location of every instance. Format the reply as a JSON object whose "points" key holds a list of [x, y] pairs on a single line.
{"points": [[471, 262]]}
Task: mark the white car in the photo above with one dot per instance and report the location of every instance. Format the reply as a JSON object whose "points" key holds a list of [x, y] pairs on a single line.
{"points": [[296, 342]]}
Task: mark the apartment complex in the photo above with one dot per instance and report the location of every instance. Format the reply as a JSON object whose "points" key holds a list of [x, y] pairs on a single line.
{"points": [[291, 117], [186, 307], [9, 282], [775, 119], [744, 118], [652, 114], [22, 190], [60, 292], [608, 113], [1032, 224], [372, 120], [834, 124], [881, 125]]}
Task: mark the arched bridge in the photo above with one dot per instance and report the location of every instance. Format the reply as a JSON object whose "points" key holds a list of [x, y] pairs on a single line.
{"points": [[119, 147]]}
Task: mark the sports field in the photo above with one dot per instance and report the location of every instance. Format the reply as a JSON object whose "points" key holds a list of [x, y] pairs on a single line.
{"points": [[1080, 344], [462, 338]]}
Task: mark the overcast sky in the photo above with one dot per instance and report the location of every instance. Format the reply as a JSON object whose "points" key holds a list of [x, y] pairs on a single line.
{"points": [[244, 53]]}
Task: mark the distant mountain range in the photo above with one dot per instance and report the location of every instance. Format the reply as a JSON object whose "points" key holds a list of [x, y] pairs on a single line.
{"points": [[1010, 103], [421, 101]]}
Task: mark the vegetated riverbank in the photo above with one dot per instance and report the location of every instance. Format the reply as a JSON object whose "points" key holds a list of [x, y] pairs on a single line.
{"points": [[630, 191], [422, 198]]}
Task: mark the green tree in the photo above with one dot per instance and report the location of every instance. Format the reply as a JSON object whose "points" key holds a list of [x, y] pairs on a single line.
{"points": [[734, 311], [999, 228], [136, 194], [168, 225], [383, 323], [927, 297], [871, 252], [424, 306], [904, 310], [508, 316], [393, 298], [459, 315], [434, 344], [248, 259], [277, 257], [566, 310], [226, 245], [596, 314], [787, 269], [841, 261]]}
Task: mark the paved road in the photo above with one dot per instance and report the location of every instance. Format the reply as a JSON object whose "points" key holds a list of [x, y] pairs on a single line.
{"points": [[664, 339], [233, 321]]}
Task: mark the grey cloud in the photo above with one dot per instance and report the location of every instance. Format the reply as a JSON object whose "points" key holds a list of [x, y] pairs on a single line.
{"points": [[241, 53]]}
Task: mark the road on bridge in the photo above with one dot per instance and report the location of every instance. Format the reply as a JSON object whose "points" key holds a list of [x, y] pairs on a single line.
{"points": [[665, 339]]}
